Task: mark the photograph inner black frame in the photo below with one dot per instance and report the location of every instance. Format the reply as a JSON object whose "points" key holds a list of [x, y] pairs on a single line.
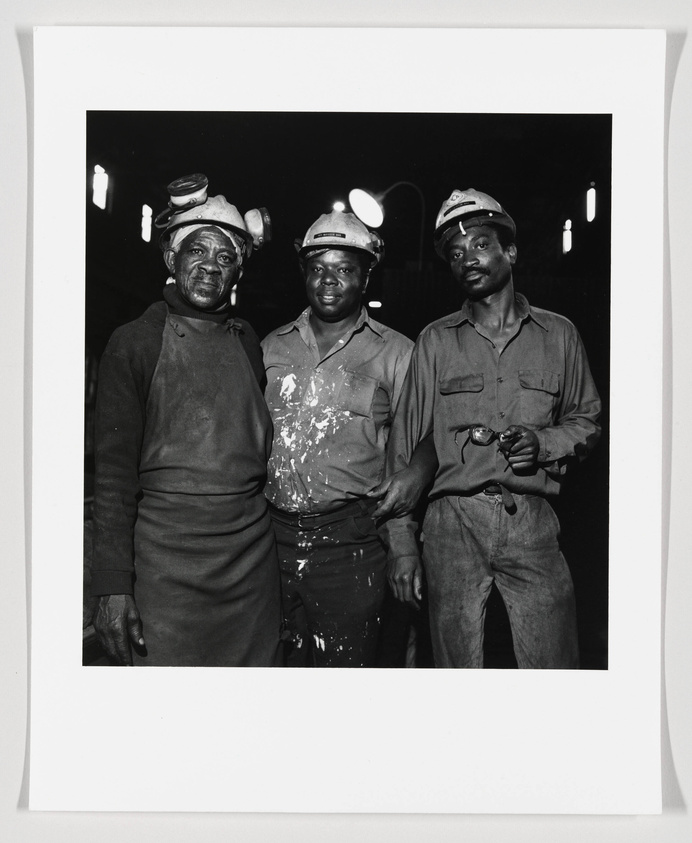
{"points": [[297, 164]]}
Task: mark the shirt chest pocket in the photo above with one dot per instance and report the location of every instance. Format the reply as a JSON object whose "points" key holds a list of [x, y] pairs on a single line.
{"points": [[462, 396], [539, 394], [356, 393]]}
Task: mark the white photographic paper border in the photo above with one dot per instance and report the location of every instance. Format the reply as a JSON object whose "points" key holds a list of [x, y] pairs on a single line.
{"points": [[248, 740]]}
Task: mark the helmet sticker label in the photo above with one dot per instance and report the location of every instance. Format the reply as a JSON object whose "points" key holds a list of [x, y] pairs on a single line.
{"points": [[460, 205], [329, 234]]}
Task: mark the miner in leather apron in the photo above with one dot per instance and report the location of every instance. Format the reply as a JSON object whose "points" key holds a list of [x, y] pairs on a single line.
{"points": [[185, 564]]}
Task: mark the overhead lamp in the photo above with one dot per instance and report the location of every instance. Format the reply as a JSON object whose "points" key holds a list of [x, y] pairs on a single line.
{"points": [[368, 206], [339, 206], [147, 212], [100, 187], [591, 203]]}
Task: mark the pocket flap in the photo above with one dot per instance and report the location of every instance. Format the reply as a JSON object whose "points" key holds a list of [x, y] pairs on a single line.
{"points": [[462, 383], [540, 379]]}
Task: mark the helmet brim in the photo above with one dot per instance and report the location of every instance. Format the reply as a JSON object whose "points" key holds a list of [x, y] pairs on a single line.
{"points": [[443, 235], [306, 252], [247, 238]]}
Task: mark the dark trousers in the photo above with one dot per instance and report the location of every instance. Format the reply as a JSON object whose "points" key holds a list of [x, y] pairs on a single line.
{"points": [[333, 585], [471, 542]]}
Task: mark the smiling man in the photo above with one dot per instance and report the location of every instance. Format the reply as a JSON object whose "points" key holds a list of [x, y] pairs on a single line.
{"points": [[334, 376], [505, 390], [185, 563]]}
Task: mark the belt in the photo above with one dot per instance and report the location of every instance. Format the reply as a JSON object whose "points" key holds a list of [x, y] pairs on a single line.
{"points": [[317, 520], [493, 489]]}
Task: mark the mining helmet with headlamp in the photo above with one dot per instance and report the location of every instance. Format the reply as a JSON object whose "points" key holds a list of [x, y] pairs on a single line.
{"points": [[465, 209], [189, 205], [344, 231]]}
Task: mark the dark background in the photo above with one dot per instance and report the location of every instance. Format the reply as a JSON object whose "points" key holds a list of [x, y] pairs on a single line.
{"points": [[296, 165]]}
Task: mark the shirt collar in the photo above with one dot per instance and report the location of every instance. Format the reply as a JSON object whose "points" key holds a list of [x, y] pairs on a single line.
{"points": [[302, 323], [523, 306]]}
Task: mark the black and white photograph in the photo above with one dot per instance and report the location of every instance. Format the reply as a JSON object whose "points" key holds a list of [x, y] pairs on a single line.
{"points": [[336, 370], [307, 425]]}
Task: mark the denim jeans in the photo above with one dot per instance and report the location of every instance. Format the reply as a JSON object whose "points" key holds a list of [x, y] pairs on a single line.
{"points": [[471, 542], [333, 586]]}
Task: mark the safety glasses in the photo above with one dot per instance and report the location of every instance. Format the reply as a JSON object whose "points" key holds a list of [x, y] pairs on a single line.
{"points": [[481, 434]]}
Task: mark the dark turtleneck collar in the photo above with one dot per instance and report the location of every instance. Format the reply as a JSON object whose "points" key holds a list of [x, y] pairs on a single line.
{"points": [[179, 306]]}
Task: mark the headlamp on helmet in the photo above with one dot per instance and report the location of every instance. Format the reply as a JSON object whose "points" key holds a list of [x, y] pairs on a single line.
{"points": [[465, 209], [189, 204]]}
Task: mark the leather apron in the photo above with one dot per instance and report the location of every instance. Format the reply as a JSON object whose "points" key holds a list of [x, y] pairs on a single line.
{"points": [[206, 571]]}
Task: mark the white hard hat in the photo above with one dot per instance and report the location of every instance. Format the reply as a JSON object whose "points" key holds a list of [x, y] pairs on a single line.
{"points": [[467, 208], [341, 230], [189, 205]]}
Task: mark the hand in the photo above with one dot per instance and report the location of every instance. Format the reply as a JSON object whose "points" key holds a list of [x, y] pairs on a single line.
{"points": [[118, 625], [520, 446], [399, 493], [405, 576]]}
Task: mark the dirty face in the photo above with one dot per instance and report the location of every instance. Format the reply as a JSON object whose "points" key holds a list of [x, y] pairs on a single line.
{"points": [[479, 262], [205, 267], [335, 282]]}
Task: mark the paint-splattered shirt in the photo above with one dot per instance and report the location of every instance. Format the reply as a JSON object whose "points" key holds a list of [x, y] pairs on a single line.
{"points": [[331, 415]]}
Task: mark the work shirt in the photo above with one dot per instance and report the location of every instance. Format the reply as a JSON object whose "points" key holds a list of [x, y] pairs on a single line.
{"points": [[331, 414], [458, 378]]}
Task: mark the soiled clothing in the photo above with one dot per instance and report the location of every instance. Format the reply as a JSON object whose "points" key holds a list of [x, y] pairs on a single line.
{"points": [[208, 595], [485, 524], [183, 435], [541, 380], [472, 542], [331, 421], [331, 415], [333, 585]]}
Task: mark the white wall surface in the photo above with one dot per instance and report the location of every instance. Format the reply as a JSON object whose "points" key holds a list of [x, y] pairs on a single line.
{"points": [[16, 823]]}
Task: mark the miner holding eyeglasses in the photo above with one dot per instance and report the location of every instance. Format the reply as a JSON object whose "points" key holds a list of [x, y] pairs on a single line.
{"points": [[505, 389]]}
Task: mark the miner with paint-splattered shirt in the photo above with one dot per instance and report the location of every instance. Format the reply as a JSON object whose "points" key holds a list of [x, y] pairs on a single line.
{"points": [[334, 376]]}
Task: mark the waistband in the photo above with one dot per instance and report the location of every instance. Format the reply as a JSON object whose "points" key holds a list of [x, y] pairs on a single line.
{"points": [[317, 520], [499, 489], [496, 489]]}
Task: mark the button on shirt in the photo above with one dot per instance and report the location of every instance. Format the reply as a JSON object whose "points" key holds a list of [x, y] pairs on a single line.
{"points": [[458, 378], [331, 415]]}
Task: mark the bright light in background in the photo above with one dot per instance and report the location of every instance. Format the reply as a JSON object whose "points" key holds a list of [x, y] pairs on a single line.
{"points": [[339, 206], [566, 237], [100, 187], [146, 223], [234, 295], [366, 207], [591, 203], [374, 304]]}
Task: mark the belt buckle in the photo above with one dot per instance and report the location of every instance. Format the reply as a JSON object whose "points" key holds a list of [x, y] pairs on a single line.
{"points": [[302, 518]]}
